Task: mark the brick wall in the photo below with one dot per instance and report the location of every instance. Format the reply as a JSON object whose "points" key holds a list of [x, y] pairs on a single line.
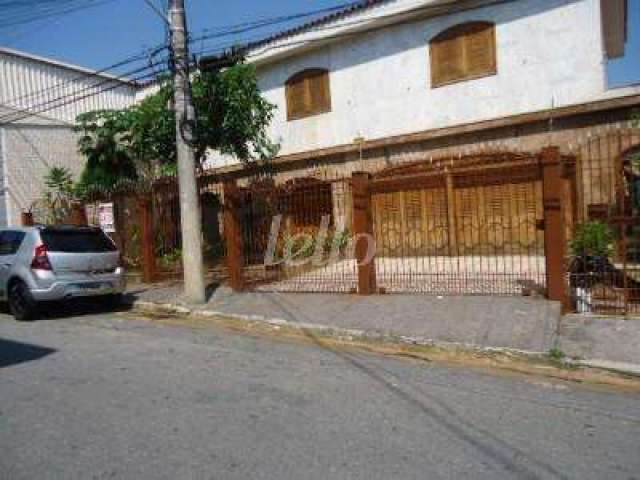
{"points": [[568, 133]]}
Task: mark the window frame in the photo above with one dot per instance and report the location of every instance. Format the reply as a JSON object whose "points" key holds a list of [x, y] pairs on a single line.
{"points": [[303, 76], [463, 29]]}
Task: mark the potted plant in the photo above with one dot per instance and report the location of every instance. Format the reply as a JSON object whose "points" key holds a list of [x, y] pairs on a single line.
{"points": [[592, 247]]}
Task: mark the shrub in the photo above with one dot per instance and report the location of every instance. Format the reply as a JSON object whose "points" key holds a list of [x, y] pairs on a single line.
{"points": [[171, 259], [593, 239]]}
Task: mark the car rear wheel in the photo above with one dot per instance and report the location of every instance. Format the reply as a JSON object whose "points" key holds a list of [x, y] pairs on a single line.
{"points": [[21, 303], [115, 300]]}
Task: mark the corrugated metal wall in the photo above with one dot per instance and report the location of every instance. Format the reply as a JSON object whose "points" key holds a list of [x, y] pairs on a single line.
{"points": [[4, 221], [31, 145], [27, 83]]}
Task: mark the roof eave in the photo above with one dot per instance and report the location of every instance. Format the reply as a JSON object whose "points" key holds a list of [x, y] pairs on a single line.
{"points": [[307, 37]]}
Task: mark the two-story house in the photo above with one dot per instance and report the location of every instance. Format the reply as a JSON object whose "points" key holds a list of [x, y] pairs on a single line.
{"points": [[407, 77], [390, 85]]}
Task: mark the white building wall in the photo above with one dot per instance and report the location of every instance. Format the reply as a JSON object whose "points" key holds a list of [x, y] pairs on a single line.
{"points": [[31, 145], [549, 53], [60, 92], [31, 151]]}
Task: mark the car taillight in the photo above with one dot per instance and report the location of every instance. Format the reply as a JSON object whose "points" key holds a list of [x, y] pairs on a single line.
{"points": [[40, 259]]}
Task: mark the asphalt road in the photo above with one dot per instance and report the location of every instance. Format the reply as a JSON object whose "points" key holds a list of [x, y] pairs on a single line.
{"points": [[107, 396]]}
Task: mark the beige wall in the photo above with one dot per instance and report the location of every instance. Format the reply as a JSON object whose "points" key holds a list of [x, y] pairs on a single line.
{"points": [[29, 152]]}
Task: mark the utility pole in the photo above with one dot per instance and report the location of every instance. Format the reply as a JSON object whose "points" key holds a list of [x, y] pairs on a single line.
{"points": [[191, 223]]}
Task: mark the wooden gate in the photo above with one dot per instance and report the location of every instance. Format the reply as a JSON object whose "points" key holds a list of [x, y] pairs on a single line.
{"points": [[464, 226]]}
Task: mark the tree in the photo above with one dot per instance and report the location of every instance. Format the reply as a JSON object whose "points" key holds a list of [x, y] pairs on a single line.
{"points": [[131, 148], [232, 115]]}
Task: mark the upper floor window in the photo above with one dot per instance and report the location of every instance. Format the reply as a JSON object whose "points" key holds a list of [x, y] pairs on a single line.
{"points": [[463, 52], [308, 94]]}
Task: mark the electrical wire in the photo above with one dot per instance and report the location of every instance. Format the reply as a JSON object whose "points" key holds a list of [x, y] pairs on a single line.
{"points": [[141, 73], [105, 70], [31, 13], [268, 21], [224, 31], [157, 11], [220, 33]]}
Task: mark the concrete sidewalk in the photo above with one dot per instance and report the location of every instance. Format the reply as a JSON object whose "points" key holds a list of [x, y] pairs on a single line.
{"points": [[518, 323], [531, 325]]}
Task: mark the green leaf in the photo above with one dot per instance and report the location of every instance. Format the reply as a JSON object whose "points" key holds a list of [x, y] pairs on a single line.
{"points": [[137, 145]]}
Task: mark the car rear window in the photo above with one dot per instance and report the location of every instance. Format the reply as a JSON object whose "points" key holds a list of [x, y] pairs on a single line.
{"points": [[77, 241], [10, 242]]}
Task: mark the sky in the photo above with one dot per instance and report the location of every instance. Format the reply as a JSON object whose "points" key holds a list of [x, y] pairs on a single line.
{"points": [[105, 34], [627, 70]]}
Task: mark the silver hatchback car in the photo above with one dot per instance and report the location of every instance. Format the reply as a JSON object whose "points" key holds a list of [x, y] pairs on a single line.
{"points": [[39, 264]]}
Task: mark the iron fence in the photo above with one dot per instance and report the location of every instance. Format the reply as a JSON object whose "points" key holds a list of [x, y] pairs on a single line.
{"points": [[604, 262], [295, 236], [468, 225]]}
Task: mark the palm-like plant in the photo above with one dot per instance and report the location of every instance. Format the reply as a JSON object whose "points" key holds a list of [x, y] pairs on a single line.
{"points": [[59, 195]]}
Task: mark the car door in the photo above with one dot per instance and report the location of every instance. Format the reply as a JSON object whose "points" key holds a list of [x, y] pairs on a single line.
{"points": [[10, 241]]}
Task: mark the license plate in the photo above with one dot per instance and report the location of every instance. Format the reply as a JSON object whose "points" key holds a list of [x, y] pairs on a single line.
{"points": [[92, 286]]}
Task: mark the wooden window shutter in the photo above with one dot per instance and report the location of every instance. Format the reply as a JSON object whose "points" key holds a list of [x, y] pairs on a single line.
{"points": [[308, 94], [480, 51], [319, 92], [615, 27], [296, 98], [447, 60], [463, 52]]}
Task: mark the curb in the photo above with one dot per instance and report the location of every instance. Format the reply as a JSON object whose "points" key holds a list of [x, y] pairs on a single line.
{"points": [[389, 338], [618, 367], [172, 309]]}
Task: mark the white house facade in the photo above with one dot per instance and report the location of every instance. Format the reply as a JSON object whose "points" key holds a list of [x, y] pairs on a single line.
{"points": [[379, 62]]}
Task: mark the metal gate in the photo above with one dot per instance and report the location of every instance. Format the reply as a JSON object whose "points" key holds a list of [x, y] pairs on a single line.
{"points": [[604, 267], [461, 226], [295, 236]]}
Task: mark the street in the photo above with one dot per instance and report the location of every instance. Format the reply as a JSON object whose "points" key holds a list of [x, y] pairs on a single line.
{"points": [[109, 395]]}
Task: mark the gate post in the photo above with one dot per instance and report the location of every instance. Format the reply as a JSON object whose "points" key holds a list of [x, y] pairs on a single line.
{"points": [[78, 215], [145, 208], [553, 188], [26, 219], [363, 231], [234, 236]]}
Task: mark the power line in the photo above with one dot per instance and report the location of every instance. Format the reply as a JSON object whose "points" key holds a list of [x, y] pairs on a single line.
{"points": [[157, 11], [28, 114], [96, 88], [71, 98], [266, 22], [31, 13], [132, 59], [223, 31]]}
